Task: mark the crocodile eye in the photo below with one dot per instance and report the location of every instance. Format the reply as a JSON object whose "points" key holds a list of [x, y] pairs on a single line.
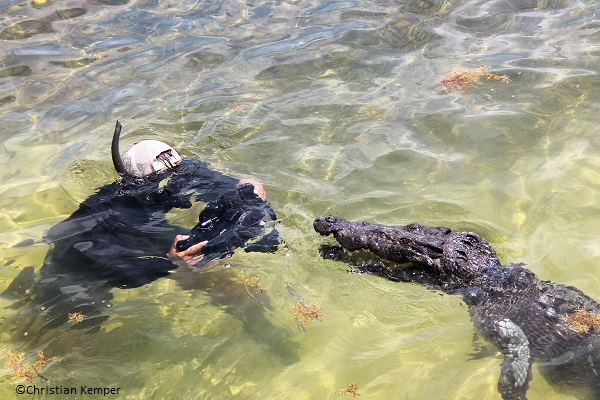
{"points": [[405, 241], [470, 240]]}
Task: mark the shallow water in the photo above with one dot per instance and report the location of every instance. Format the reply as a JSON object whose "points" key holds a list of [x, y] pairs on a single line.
{"points": [[337, 107]]}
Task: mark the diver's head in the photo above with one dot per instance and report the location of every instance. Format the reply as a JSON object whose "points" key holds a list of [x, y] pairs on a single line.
{"points": [[144, 158], [150, 156]]}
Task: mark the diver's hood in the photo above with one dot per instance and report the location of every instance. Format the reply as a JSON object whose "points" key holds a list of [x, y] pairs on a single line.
{"points": [[143, 158]]}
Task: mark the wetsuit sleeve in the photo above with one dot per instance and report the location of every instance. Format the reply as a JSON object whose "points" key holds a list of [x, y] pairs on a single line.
{"points": [[194, 180]]}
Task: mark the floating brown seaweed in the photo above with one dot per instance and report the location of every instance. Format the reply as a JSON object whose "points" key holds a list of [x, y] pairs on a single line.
{"points": [[76, 317], [582, 320], [460, 79], [307, 312], [18, 366], [235, 106], [351, 389], [252, 281]]}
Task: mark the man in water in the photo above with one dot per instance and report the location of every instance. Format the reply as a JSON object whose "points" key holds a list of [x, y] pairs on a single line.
{"points": [[118, 236]]}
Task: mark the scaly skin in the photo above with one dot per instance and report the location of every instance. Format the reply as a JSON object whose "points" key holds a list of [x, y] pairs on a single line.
{"points": [[523, 316]]}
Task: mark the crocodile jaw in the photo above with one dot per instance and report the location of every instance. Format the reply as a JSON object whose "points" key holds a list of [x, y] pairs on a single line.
{"points": [[456, 255]]}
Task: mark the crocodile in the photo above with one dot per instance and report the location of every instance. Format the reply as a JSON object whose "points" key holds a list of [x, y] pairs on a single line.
{"points": [[529, 320]]}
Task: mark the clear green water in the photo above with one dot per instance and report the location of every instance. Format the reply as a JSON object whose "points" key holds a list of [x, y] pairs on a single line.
{"points": [[337, 107]]}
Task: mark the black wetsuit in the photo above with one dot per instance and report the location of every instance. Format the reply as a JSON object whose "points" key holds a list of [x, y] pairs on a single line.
{"points": [[119, 236]]}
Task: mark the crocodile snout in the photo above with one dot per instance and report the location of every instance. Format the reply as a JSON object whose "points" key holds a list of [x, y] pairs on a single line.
{"points": [[328, 224]]}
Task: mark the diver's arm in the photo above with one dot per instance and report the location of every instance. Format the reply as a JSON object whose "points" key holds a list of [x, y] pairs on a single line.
{"points": [[196, 179], [189, 257]]}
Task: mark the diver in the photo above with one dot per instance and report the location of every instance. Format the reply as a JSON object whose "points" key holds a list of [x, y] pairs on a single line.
{"points": [[119, 237]]}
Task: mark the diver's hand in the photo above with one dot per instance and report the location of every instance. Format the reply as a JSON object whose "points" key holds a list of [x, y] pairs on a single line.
{"points": [[189, 257], [259, 190]]}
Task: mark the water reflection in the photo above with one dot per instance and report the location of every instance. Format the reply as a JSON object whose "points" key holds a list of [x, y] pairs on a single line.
{"points": [[19, 70], [28, 28], [397, 34]]}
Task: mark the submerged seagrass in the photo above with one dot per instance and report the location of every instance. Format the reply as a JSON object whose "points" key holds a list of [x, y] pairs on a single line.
{"points": [[526, 318]]}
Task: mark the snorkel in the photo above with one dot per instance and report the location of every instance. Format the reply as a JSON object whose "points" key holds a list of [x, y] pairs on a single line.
{"points": [[114, 148], [144, 158]]}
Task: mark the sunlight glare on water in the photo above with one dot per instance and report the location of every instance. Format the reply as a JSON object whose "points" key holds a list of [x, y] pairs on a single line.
{"points": [[337, 107]]}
